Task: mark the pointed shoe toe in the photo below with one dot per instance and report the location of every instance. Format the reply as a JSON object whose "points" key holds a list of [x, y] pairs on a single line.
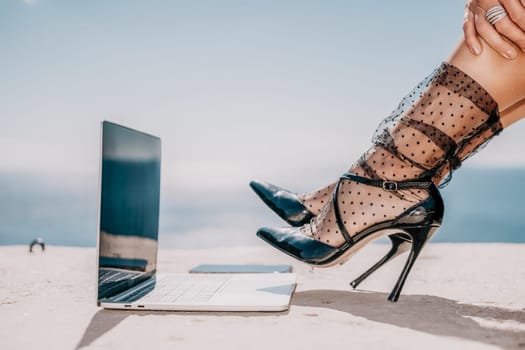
{"points": [[294, 243], [284, 203]]}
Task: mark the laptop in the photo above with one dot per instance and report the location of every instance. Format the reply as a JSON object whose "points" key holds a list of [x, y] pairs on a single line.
{"points": [[128, 242]]}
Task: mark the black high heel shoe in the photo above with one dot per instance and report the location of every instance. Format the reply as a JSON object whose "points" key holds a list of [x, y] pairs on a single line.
{"points": [[289, 207], [284, 203], [412, 227]]}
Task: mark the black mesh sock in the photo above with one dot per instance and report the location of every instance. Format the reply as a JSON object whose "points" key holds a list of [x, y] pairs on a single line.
{"points": [[443, 121]]}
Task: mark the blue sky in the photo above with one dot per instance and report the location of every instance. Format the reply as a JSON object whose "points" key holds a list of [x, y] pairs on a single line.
{"points": [[289, 91]]}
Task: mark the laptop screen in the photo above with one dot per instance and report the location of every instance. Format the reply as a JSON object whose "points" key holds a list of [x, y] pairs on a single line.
{"points": [[129, 208]]}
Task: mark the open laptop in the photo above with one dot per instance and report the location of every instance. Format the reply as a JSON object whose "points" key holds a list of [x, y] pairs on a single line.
{"points": [[128, 241]]}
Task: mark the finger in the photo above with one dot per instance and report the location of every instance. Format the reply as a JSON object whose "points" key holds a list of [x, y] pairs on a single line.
{"points": [[511, 31], [516, 11], [491, 36], [473, 6], [469, 30]]}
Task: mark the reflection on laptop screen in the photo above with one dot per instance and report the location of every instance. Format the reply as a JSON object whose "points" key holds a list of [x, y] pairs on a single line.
{"points": [[129, 208]]}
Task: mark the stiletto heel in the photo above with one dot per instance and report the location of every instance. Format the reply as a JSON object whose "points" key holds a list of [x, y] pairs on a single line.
{"points": [[419, 237], [400, 244]]}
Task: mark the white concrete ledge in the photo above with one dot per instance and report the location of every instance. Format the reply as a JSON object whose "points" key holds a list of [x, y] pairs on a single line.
{"points": [[459, 296]]}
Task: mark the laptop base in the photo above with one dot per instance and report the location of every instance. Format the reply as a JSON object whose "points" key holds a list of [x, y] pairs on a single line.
{"points": [[237, 292]]}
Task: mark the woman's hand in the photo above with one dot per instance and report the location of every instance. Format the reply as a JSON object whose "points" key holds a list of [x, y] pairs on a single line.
{"points": [[501, 37]]}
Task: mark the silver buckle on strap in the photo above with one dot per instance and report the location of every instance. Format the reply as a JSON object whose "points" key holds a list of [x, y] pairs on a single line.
{"points": [[389, 185]]}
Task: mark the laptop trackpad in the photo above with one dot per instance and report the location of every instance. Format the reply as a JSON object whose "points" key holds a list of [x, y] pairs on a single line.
{"points": [[256, 291], [240, 287]]}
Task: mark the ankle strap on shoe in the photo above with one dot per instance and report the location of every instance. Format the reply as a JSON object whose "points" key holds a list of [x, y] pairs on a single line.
{"points": [[388, 185]]}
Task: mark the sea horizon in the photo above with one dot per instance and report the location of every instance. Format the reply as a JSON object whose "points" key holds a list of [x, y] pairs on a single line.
{"points": [[481, 205]]}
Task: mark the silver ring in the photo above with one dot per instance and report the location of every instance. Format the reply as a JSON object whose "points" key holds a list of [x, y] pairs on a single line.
{"points": [[495, 14]]}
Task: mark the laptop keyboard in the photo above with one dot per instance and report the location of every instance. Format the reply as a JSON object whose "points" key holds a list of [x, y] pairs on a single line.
{"points": [[181, 289]]}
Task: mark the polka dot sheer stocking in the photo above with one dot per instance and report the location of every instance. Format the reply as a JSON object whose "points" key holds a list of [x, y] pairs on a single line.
{"points": [[315, 201], [439, 124]]}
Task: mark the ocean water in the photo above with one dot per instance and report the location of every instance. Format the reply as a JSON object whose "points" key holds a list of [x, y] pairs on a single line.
{"points": [[481, 205]]}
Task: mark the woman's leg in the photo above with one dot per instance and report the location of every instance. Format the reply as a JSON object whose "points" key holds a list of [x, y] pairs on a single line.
{"points": [[443, 121], [502, 78]]}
